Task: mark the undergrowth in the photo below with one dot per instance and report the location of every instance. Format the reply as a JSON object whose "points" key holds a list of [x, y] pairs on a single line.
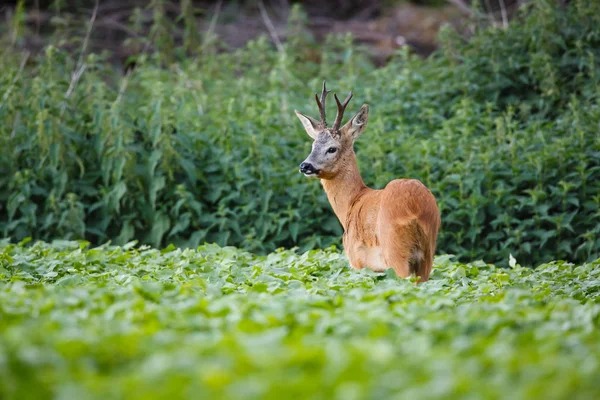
{"points": [[136, 322], [204, 148]]}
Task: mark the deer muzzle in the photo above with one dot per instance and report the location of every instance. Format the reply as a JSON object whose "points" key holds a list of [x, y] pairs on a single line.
{"points": [[308, 169]]}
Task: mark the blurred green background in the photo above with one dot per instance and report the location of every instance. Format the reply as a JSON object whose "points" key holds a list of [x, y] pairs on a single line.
{"points": [[172, 121]]}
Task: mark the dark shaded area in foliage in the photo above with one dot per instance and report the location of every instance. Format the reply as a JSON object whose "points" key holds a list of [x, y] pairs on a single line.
{"points": [[119, 26], [503, 128]]}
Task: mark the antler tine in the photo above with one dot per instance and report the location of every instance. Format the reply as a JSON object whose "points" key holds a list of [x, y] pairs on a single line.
{"points": [[341, 109], [321, 104]]}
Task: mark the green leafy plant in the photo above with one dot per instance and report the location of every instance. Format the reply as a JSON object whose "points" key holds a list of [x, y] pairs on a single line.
{"points": [[187, 150], [217, 322]]}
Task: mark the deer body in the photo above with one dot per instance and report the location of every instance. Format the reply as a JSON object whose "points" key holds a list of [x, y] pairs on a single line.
{"points": [[394, 227]]}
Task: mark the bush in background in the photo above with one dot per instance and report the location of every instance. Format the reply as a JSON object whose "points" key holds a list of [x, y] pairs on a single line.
{"points": [[503, 129]]}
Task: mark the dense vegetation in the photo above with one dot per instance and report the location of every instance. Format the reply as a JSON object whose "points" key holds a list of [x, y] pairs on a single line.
{"points": [[195, 143], [122, 323], [187, 150]]}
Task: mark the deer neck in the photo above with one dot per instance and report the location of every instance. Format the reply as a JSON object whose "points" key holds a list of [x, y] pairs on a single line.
{"points": [[343, 188]]}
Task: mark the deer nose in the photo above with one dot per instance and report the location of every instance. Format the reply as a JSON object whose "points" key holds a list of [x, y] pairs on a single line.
{"points": [[307, 168]]}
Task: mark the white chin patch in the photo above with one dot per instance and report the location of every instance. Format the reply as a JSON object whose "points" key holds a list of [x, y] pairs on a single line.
{"points": [[312, 174]]}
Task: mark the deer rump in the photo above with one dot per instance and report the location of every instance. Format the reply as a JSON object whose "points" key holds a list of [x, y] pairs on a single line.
{"points": [[393, 228]]}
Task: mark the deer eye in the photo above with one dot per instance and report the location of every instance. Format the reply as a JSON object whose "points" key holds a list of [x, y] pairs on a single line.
{"points": [[331, 150]]}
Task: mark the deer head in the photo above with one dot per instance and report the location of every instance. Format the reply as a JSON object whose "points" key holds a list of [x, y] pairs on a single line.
{"points": [[332, 147]]}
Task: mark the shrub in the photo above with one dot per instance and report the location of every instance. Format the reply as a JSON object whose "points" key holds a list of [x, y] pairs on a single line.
{"points": [[503, 129]]}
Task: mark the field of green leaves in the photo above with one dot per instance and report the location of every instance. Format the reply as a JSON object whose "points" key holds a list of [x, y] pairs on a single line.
{"points": [[133, 322]]}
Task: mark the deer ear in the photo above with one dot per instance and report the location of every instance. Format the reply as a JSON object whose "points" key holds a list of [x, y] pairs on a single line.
{"points": [[358, 123], [310, 124]]}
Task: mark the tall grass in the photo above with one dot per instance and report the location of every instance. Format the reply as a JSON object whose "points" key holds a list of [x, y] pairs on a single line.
{"points": [[204, 148]]}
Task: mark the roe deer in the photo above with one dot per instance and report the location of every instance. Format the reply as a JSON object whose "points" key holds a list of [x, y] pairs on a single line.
{"points": [[395, 227]]}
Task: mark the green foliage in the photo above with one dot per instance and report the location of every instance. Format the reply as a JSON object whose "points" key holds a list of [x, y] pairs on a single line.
{"points": [[503, 129], [87, 323]]}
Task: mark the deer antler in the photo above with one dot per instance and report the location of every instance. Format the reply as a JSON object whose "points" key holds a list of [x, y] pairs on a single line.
{"points": [[340, 113], [321, 104]]}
